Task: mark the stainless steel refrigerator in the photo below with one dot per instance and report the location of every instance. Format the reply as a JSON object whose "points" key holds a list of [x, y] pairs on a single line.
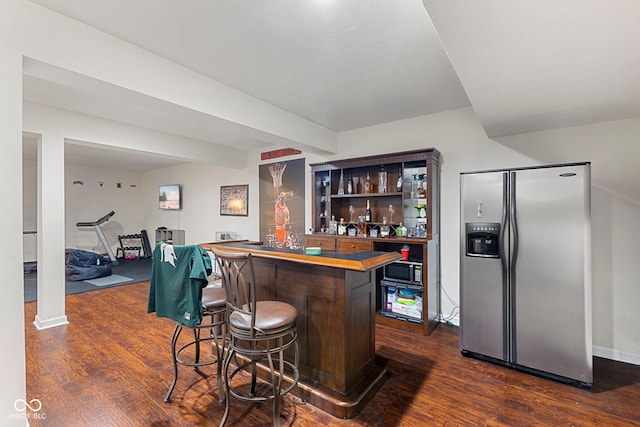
{"points": [[525, 269]]}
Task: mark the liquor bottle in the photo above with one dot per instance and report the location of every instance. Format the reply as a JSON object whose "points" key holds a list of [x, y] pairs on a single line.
{"points": [[333, 225], [367, 184], [367, 213], [350, 185], [399, 183], [401, 231], [342, 228], [384, 230], [341, 184]]}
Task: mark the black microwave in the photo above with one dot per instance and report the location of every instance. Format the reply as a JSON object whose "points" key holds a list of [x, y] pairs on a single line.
{"points": [[404, 271]]}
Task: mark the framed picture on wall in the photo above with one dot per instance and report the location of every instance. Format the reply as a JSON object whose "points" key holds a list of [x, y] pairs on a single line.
{"points": [[170, 196], [234, 200], [282, 198]]}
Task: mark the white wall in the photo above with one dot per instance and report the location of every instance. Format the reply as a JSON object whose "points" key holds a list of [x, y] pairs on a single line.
{"points": [[86, 203], [200, 214], [98, 195], [615, 276], [12, 368]]}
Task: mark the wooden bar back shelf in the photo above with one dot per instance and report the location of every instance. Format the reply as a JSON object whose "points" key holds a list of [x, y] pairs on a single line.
{"points": [[414, 203]]}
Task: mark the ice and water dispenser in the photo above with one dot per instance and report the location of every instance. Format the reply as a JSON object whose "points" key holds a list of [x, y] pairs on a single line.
{"points": [[482, 239]]}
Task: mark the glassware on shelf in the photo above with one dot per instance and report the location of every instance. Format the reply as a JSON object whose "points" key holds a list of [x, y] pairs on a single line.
{"points": [[414, 186], [350, 185], [421, 190], [421, 211], [341, 183], [382, 180], [391, 212], [351, 212]]}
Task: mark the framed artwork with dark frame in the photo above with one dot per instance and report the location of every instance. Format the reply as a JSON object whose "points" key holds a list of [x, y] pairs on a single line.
{"points": [[234, 200]]}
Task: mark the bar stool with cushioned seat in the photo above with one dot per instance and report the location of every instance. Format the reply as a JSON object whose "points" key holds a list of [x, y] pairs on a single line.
{"points": [[259, 330], [179, 290]]}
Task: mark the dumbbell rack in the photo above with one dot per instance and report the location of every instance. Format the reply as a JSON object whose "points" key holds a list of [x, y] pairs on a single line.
{"points": [[129, 243]]}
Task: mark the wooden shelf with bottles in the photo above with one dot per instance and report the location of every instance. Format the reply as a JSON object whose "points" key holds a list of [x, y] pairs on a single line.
{"points": [[411, 199]]}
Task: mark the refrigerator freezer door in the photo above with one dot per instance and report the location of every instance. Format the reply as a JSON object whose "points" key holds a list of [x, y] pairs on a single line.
{"points": [[552, 289], [483, 323]]}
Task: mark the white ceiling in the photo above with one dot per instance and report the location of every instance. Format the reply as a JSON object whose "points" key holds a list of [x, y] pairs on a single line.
{"points": [[341, 64], [345, 64], [544, 64]]}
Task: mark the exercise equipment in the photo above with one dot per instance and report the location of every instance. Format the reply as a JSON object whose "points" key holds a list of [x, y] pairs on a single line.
{"points": [[129, 243], [138, 243], [103, 239], [146, 246]]}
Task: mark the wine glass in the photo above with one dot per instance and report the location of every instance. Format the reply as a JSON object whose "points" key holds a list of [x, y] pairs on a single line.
{"points": [[391, 212], [351, 212]]}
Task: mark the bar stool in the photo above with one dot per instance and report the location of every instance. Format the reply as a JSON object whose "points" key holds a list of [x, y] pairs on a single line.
{"points": [[259, 330], [177, 279], [214, 307]]}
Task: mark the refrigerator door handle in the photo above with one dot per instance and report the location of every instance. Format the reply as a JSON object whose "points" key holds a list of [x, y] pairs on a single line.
{"points": [[503, 226], [504, 223], [514, 224]]}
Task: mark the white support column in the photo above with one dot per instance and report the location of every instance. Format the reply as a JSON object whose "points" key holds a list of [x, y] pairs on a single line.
{"points": [[12, 368], [51, 228]]}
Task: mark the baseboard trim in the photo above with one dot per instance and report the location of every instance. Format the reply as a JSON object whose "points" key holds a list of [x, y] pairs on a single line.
{"points": [[617, 355], [50, 323]]}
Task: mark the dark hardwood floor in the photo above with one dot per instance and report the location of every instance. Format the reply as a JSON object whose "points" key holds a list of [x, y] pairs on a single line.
{"points": [[111, 366]]}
